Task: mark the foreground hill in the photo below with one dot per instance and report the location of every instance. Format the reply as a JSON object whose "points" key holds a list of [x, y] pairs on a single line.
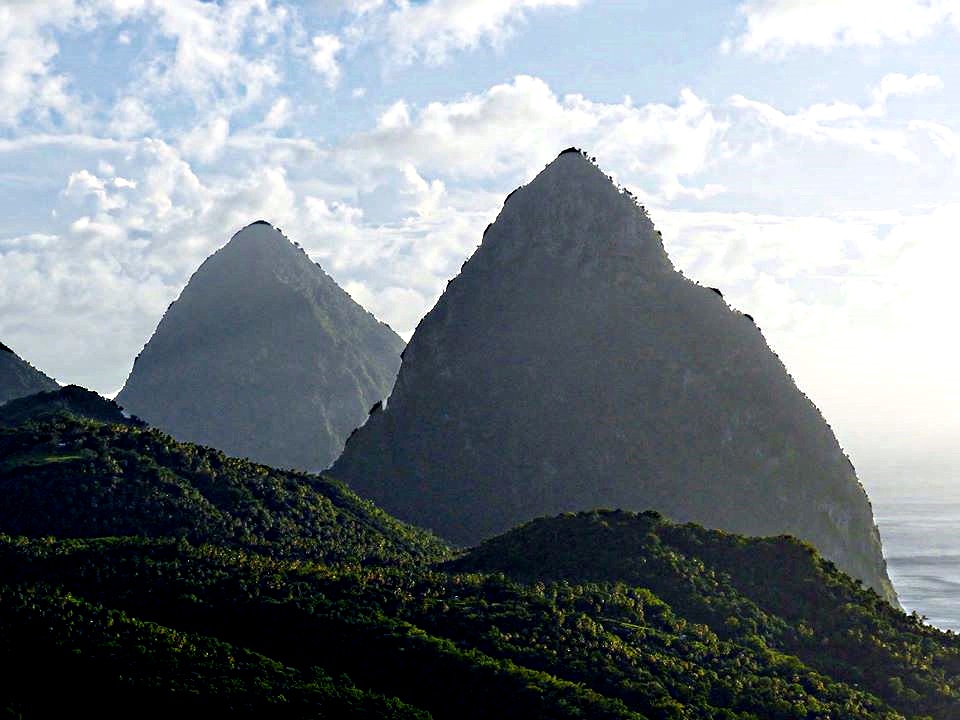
{"points": [[570, 366], [73, 477], [72, 400], [144, 577], [263, 356], [19, 378]]}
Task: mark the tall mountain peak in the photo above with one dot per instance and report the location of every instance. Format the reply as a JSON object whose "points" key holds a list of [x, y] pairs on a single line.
{"points": [[263, 355], [18, 378], [565, 213], [569, 366]]}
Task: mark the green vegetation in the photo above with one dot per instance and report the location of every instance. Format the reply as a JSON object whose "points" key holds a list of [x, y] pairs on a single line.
{"points": [[72, 399], [74, 477], [139, 575]]}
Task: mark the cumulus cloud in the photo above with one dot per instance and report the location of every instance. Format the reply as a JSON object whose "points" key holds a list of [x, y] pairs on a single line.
{"points": [[29, 84], [945, 139], [432, 30], [205, 141], [209, 61], [323, 57], [845, 123], [513, 129], [279, 114], [130, 118], [898, 84], [223, 56], [778, 26]]}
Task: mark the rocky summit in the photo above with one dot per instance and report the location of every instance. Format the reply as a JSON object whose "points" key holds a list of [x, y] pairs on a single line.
{"points": [[263, 356], [569, 366], [18, 378]]}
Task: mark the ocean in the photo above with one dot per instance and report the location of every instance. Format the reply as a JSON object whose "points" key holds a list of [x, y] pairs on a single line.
{"points": [[920, 530]]}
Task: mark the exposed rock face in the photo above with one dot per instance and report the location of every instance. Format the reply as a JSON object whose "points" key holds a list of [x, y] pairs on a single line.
{"points": [[18, 378], [263, 356], [569, 366]]}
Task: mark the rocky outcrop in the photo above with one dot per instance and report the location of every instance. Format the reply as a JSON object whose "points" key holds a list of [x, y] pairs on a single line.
{"points": [[263, 356], [569, 366]]}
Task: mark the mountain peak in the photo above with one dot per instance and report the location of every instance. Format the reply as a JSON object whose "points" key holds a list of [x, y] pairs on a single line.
{"points": [[259, 230], [263, 355], [266, 241], [569, 366], [572, 215]]}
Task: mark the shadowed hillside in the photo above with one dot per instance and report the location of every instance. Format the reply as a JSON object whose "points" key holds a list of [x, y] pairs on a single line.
{"points": [[144, 577]]}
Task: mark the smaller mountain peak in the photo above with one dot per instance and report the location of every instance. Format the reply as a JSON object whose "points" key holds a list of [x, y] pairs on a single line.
{"points": [[4, 348]]}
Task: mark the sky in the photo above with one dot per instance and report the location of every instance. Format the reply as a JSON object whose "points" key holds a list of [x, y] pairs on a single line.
{"points": [[801, 155]]}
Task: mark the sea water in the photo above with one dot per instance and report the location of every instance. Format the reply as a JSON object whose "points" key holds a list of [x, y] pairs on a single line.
{"points": [[920, 529]]}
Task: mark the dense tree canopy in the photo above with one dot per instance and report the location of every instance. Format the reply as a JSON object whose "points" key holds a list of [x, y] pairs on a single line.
{"points": [[139, 575]]}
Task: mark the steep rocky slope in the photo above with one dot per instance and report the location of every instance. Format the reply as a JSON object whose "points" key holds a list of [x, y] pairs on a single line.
{"points": [[569, 366]]}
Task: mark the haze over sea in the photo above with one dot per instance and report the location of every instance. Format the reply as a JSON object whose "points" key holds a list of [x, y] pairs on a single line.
{"points": [[920, 527]]}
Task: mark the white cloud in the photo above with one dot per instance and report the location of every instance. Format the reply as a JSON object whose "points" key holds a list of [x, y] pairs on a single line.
{"points": [[323, 57], [513, 129], [28, 82], [837, 123], [432, 30], [130, 118], [396, 117], [778, 26], [279, 114], [869, 129], [205, 141], [224, 57], [898, 85], [428, 194], [945, 139]]}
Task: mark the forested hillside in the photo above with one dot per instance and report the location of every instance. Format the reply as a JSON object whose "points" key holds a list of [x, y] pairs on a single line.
{"points": [[142, 576]]}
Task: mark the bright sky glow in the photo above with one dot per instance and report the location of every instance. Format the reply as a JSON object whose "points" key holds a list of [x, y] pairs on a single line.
{"points": [[802, 156]]}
